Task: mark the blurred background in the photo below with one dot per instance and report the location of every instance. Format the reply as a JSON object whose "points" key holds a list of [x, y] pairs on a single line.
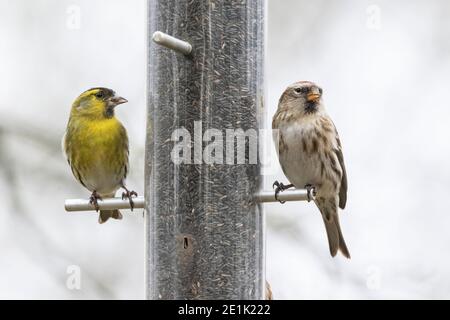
{"points": [[385, 70]]}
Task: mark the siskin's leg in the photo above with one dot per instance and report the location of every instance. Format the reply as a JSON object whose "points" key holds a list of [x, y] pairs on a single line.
{"points": [[93, 200], [129, 194]]}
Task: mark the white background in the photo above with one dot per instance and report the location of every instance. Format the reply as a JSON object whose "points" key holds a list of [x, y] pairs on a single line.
{"points": [[385, 70]]}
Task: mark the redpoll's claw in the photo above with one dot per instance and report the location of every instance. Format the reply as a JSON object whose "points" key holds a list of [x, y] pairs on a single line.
{"points": [[129, 195], [311, 192], [280, 187], [93, 200]]}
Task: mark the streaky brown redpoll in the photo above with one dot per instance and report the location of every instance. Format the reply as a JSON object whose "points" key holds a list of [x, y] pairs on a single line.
{"points": [[310, 155]]}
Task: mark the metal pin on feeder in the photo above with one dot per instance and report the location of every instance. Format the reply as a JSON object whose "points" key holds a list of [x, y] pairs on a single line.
{"points": [[173, 43]]}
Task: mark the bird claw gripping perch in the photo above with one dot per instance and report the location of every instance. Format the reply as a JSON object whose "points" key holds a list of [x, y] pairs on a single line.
{"points": [[93, 200], [279, 188], [127, 194], [311, 192]]}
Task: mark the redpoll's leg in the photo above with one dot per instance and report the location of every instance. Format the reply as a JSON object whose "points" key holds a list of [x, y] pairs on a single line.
{"points": [[129, 194], [311, 192], [280, 187], [93, 200]]}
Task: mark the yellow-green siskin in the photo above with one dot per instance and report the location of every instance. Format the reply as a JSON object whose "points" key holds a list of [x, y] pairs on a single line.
{"points": [[96, 147]]}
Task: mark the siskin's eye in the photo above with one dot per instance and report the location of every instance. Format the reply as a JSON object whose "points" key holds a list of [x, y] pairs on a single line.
{"points": [[99, 95], [299, 90]]}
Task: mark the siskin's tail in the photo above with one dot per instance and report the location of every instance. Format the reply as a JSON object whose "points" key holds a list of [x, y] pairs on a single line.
{"points": [[106, 214], [331, 220]]}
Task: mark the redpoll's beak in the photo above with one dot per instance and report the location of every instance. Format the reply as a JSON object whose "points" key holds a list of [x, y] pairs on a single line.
{"points": [[313, 96], [115, 101]]}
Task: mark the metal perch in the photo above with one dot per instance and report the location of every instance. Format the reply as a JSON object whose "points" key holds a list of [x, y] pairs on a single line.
{"points": [[287, 195], [117, 203], [106, 204]]}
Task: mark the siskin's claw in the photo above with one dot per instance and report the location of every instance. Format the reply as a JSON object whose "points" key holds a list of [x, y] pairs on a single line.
{"points": [[93, 200], [127, 194]]}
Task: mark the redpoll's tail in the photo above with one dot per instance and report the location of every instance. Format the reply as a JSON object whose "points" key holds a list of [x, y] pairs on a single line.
{"points": [[335, 238], [106, 214]]}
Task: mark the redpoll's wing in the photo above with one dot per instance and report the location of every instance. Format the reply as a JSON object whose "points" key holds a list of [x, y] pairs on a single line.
{"points": [[343, 190], [340, 156]]}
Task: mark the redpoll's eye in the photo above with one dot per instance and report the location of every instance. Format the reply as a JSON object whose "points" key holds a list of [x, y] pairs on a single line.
{"points": [[320, 91], [299, 90]]}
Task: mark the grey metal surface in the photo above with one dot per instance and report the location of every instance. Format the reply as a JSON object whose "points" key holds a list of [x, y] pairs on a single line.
{"points": [[204, 228]]}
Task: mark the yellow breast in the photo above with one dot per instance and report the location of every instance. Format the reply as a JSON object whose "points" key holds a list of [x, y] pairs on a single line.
{"points": [[98, 151]]}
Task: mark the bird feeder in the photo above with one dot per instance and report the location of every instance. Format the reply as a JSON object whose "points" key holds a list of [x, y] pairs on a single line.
{"points": [[205, 230]]}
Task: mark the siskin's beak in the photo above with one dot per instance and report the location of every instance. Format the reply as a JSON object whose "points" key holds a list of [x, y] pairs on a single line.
{"points": [[313, 96], [115, 101]]}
